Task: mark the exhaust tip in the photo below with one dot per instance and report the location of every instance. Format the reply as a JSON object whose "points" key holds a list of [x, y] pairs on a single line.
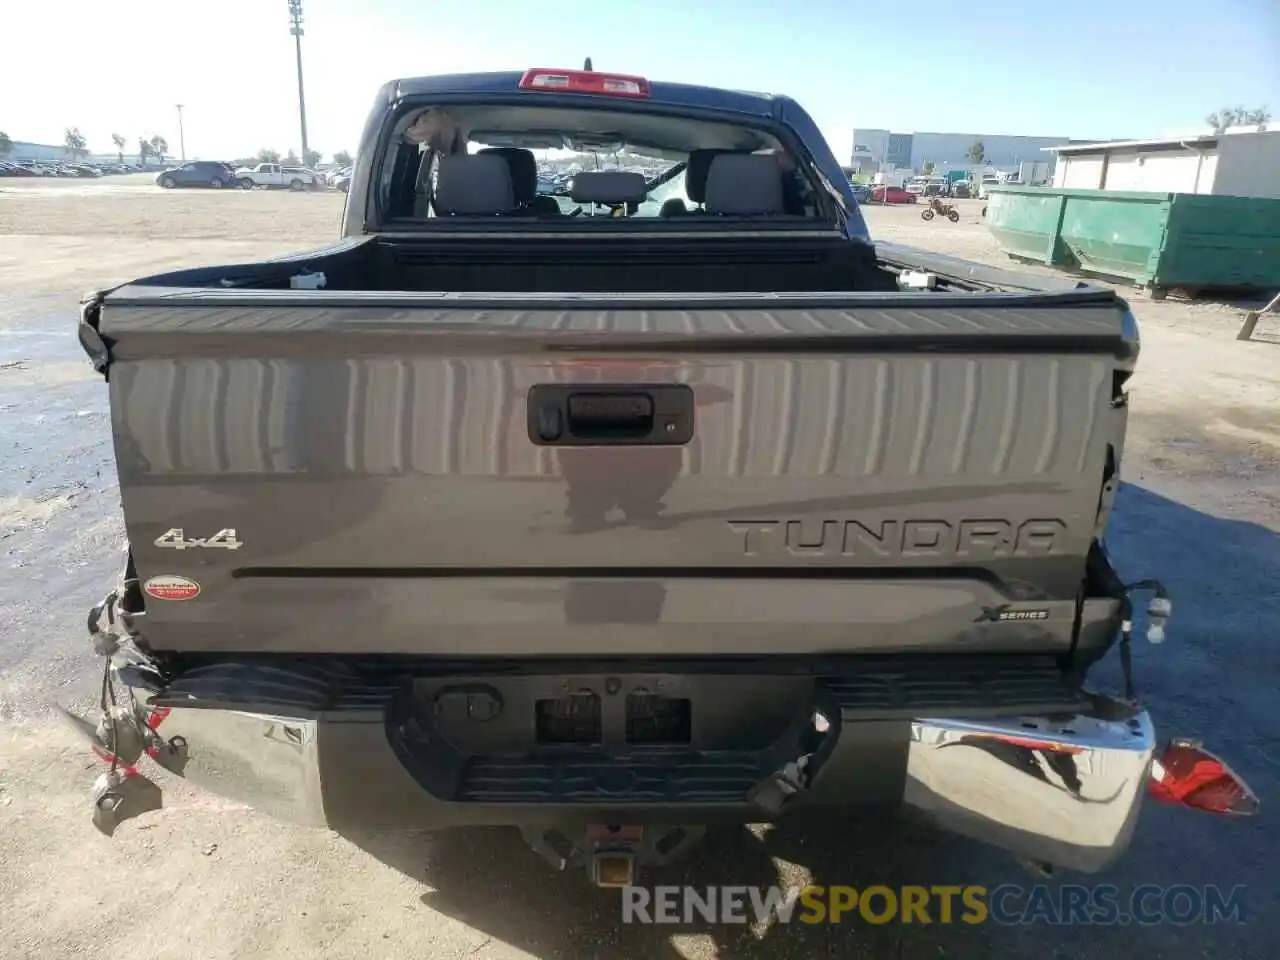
{"points": [[612, 869]]}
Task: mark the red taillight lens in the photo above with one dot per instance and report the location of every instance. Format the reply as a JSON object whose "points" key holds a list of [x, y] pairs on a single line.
{"points": [[1188, 775], [582, 81]]}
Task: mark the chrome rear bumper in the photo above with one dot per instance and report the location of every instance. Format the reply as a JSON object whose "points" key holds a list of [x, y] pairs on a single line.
{"points": [[1060, 791], [270, 763]]}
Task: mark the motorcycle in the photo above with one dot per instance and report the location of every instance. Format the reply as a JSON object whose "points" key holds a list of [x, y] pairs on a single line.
{"points": [[939, 208]]}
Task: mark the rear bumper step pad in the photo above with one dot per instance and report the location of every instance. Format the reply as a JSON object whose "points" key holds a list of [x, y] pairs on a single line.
{"points": [[865, 688]]}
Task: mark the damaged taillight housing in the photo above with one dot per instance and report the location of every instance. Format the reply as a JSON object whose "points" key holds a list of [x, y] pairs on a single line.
{"points": [[1188, 775]]}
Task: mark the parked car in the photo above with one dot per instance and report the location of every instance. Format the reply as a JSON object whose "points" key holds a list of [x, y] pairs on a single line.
{"points": [[328, 176], [15, 170], [268, 175], [884, 194], [985, 183], [861, 191], [343, 180], [60, 170], [198, 173]]}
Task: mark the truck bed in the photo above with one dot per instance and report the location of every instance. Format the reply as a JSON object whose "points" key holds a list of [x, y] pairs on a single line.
{"points": [[802, 261], [853, 472]]}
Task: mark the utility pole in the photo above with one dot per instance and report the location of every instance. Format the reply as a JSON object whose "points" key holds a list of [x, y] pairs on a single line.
{"points": [[182, 140], [295, 28]]}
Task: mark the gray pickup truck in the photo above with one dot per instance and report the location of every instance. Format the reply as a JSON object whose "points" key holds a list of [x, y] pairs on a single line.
{"points": [[667, 500]]}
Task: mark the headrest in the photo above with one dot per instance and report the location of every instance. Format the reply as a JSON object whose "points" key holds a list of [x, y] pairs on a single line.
{"points": [[695, 173], [745, 184], [524, 170], [473, 184], [608, 186]]}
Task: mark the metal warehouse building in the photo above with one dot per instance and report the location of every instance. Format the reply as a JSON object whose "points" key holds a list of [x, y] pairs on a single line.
{"points": [[874, 148], [1244, 164], [23, 150]]}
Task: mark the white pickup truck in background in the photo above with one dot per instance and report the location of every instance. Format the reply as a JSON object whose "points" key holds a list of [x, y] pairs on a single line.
{"points": [[270, 175]]}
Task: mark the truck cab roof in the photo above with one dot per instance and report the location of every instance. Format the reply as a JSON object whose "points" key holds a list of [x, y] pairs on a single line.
{"points": [[676, 94]]}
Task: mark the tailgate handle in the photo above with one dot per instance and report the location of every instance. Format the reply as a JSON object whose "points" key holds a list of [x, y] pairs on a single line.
{"points": [[606, 415], [610, 412]]}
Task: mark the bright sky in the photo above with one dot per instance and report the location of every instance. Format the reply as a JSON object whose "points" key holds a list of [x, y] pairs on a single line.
{"points": [[1084, 68]]}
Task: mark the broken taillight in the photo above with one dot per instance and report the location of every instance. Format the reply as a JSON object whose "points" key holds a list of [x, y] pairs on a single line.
{"points": [[1188, 775]]}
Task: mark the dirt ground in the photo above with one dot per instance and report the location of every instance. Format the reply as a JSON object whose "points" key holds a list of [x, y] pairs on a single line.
{"points": [[208, 879]]}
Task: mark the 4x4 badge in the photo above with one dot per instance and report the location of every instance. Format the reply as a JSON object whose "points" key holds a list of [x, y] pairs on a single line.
{"points": [[175, 539]]}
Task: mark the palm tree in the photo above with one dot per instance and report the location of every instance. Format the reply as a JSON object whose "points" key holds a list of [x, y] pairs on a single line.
{"points": [[6, 145], [119, 142], [159, 145], [144, 151], [977, 152], [311, 159], [74, 143]]}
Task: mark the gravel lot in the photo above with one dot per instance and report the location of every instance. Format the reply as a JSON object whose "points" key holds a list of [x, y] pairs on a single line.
{"points": [[207, 879]]}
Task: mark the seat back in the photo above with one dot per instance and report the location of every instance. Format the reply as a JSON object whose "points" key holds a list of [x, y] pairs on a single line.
{"points": [[473, 185], [697, 168], [745, 185], [524, 171]]}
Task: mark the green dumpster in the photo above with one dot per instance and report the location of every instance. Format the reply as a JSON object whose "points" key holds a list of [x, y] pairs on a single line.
{"points": [[1027, 222], [1157, 240]]}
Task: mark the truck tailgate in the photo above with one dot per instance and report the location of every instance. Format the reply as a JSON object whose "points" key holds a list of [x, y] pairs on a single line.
{"points": [[824, 473]]}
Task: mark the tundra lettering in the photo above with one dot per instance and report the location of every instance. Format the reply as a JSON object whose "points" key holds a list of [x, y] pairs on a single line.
{"points": [[974, 539]]}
